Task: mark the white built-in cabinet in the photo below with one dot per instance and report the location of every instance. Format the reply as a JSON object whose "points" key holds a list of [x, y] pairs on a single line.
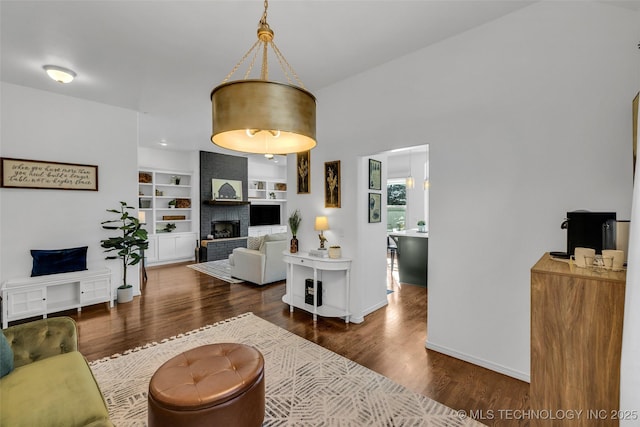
{"points": [[165, 198], [263, 230], [41, 295], [268, 190]]}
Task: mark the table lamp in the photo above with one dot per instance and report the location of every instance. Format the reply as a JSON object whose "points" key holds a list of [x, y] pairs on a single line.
{"points": [[322, 224]]}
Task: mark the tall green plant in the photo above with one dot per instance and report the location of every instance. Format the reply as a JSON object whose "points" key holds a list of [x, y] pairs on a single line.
{"points": [[128, 245], [294, 222]]}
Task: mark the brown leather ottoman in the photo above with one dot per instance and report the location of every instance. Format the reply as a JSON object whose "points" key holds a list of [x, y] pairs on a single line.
{"points": [[213, 385]]}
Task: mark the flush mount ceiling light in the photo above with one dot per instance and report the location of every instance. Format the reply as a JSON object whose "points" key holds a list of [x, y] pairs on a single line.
{"points": [[60, 74], [261, 116]]}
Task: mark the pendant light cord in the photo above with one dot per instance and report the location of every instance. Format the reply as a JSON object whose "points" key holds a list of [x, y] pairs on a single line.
{"points": [[265, 37]]}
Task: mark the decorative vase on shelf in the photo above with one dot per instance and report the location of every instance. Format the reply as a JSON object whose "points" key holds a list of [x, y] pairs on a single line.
{"points": [[335, 252], [293, 248]]}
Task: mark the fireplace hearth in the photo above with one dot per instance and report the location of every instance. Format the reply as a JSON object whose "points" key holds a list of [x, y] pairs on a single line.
{"points": [[225, 229]]}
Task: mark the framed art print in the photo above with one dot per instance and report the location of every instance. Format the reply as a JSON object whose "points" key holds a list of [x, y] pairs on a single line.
{"points": [[375, 214], [303, 171], [375, 170], [226, 189], [332, 184]]}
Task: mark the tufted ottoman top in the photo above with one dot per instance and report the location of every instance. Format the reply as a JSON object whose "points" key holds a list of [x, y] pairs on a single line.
{"points": [[206, 376]]}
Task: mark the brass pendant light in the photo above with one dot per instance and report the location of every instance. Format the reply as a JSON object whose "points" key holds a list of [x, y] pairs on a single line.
{"points": [[261, 116]]}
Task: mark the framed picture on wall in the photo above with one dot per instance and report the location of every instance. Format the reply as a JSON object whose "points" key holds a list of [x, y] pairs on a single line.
{"points": [[375, 171], [332, 184], [226, 189], [375, 214], [38, 174], [303, 172]]}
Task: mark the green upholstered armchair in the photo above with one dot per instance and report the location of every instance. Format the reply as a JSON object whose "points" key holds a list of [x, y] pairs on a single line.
{"points": [[51, 383], [40, 339]]}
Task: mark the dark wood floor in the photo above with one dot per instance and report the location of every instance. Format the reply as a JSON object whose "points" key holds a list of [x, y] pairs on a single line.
{"points": [[390, 341]]}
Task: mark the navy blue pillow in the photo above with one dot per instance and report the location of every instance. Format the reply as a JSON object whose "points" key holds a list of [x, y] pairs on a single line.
{"points": [[56, 261], [6, 356]]}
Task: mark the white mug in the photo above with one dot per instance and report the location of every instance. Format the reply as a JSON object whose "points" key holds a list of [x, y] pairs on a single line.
{"points": [[618, 258], [584, 257]]}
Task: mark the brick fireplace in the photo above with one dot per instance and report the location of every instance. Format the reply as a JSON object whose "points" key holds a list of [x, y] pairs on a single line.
{"points": [[230, 219]]}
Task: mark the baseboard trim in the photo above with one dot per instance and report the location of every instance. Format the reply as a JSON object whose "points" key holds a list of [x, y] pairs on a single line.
{"points": [[480, 362]]}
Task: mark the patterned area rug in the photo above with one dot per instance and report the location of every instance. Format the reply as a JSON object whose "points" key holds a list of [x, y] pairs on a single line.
{"points": [[306, 385], [219, 269]]}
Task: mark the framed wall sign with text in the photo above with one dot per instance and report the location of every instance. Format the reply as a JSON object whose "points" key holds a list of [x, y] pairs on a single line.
{"points": [[37, 174]]}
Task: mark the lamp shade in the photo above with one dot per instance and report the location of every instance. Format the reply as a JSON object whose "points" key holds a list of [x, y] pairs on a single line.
{"points": [[260, 116], [322, 223]]}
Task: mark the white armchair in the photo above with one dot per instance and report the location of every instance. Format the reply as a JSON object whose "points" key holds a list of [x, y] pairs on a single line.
{"points": [[263, 265]]}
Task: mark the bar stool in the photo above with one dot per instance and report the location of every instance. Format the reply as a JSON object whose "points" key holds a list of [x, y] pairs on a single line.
{"points": [[392, 249]]}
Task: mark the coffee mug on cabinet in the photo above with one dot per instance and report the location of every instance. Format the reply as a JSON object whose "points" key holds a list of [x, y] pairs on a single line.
{"points": [[584, 257], [618, 258]]}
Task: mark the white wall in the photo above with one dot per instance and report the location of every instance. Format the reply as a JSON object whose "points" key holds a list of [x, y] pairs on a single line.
{"points": [[630, 363], [39, 125], [348, 224], [526, 118]]}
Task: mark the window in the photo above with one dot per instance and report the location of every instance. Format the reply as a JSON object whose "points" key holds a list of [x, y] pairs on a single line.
{"points": [[396, 204]]}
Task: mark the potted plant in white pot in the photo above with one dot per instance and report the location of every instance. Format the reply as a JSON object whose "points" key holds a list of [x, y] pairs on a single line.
{"points": [[422, 226], [127, 246]]}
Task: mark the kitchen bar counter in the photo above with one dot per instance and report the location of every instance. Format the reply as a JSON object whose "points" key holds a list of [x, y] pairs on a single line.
{"points": [[412, 256]]}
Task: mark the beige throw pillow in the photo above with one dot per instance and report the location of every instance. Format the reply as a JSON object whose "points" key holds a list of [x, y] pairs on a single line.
{"points": [[254, 242]]}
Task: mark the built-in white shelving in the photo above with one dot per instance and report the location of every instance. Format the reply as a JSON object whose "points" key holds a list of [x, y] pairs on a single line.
{"points": [[165, 199]]}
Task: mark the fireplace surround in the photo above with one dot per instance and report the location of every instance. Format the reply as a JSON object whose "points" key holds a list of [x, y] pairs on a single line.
{"points": [[225, 229]]}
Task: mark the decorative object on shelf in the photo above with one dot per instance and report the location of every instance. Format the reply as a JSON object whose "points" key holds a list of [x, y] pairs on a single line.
{"points": [[375, 174], [144, 178], [280, 186], [294, 222], [303, 173], [36, 174], [319, 253], [332, 184], [335, 252], [172, 203], [173, 217], [261, 116], [127, 246], [145, 204], [272, 195], [175, 180], [159, 193], [321, 224], [183, 203], [260, 185], [226, 189], [308, 292], [374, 207], [168, 228], [422, 227]]}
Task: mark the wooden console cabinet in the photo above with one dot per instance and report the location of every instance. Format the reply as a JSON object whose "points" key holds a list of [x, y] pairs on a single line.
{"points": [[576, 341]]}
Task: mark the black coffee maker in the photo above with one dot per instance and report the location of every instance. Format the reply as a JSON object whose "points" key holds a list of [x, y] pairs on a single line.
{"points": [[596, 230]]}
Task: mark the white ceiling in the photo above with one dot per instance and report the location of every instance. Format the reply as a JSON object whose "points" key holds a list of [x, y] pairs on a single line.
{"points": [[163, 58]]}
